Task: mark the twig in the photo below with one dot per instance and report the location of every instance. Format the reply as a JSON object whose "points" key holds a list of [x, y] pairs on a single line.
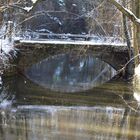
{"points": [[123, 68]]}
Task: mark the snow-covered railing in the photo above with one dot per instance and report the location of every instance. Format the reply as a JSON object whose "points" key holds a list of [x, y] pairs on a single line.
{"points": [[34, 36], [68, 42]]}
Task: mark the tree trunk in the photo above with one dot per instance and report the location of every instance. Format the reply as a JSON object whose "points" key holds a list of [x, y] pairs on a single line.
{"points": [[134, 16], [126, 32], [136, 30], [136, 45]]}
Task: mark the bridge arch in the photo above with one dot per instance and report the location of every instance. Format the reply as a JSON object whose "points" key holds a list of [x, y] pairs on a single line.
{"points": [[30, 53]]}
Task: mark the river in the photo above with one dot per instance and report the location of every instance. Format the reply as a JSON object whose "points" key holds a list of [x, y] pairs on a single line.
{"points": [[33, 107]]}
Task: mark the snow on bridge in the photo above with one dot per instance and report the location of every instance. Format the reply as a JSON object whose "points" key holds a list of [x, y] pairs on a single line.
{"points": [[68, 39], [48, 41], [32, 38]]}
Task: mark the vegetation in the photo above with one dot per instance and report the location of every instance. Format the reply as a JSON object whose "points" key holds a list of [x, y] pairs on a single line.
{"points": [[64, 69], [134, 16], [27, 16]]}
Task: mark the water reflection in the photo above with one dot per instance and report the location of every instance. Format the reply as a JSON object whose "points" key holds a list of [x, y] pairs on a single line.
{"points": [[57, 123], [70, 73], [136, 86], [37, 113], [6, 95]]}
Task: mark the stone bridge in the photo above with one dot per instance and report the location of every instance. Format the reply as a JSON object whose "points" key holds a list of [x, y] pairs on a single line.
{"points": [[33, 51]]}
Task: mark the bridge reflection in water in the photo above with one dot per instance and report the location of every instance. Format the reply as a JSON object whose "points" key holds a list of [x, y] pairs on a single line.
{"points": [[30, 112], [70, 73]]}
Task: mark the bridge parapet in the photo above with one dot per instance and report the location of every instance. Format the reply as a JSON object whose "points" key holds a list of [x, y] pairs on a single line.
{"points": [[32, 35]]}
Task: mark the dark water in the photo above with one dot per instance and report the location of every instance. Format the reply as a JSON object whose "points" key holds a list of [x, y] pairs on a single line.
{"points": [[30, 111], [70, 73]]}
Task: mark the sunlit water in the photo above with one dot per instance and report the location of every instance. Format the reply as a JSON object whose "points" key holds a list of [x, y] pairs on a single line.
{"points": [[30, 111]]}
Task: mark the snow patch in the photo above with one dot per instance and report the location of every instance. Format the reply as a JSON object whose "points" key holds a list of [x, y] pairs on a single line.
{"points": [[70, 42], [6, 46], [137, 70], [132, 15], [56, 19], [136, 84], [74, 5], [6, 98], [34, 1], [28, 9], [0, 81], [137, 96], [5, 103], [138, 21], [61, 2]]}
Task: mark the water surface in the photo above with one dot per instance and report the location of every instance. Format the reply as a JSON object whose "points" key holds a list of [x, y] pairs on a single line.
{"points": [[29, 111], [70, 72]]}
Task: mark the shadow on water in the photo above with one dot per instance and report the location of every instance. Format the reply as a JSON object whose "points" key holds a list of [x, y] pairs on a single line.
{"points": [[29, 111]]}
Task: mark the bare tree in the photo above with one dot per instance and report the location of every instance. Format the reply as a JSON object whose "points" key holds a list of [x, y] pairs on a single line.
{"points": [[134, 16], [127, 12]]}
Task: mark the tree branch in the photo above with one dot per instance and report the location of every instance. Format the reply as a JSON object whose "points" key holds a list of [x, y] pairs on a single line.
{"points": [[126, 12]]}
